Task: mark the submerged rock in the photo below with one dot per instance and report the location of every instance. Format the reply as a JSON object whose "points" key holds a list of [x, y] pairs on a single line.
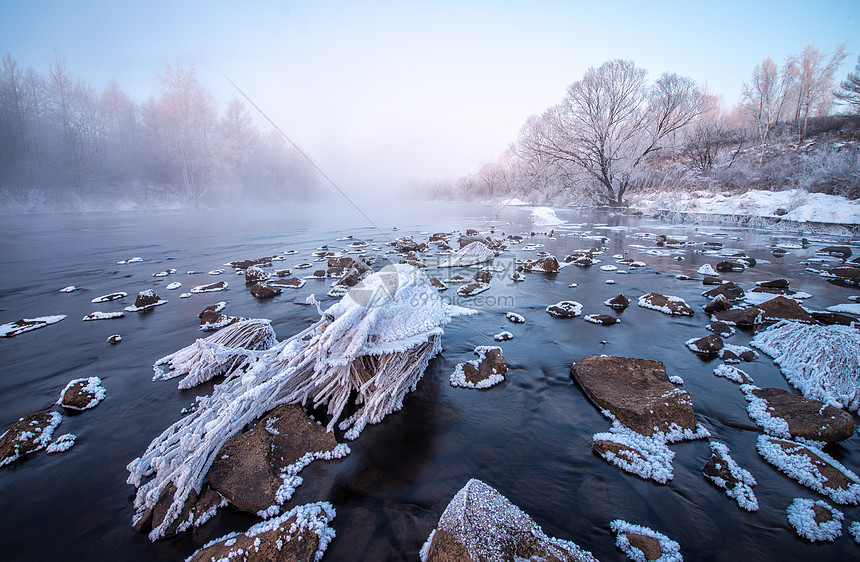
{"points": [[28, 435], [675, 306], [482, 524], [636, 391], [250, 468], [843, 252]]}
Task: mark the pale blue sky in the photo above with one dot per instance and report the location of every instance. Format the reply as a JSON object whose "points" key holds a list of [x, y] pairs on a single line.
{"points": [[381, 92]]}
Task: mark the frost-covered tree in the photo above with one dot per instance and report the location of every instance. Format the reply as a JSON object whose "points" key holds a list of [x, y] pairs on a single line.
{"points": [[849, 94], [815, 75], [766, 96], [610, 121]]}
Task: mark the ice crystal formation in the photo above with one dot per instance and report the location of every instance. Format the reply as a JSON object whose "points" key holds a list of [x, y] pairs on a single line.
{"points": [[374, 344]]}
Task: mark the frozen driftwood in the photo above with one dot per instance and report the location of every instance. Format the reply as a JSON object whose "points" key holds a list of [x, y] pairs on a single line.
{"points": [[374, 344]]}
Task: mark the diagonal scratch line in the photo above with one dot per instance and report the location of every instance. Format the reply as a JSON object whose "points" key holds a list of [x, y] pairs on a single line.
{"points": [[303, 153]]}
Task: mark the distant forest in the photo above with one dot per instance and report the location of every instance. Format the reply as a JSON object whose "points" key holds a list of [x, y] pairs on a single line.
{"points": [[65, 146], [616, 136]]}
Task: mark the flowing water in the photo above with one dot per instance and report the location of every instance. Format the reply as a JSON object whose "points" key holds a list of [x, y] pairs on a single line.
{"points": [[529, 437]]}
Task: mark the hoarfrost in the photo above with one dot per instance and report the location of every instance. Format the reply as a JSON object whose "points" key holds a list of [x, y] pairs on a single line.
{"points": [[742, 491], [28, 324], [669, 549], [103, 316], [823, 362], [545, 216], [801, 515], [374, 345], [758, 412], [92, 387], [173, 286], [62, 444], [470, 254], [733, 374], [708, 270]]}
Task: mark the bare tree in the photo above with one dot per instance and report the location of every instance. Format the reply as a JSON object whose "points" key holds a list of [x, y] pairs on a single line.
{"points": [[610, 121], [816, 74], [849, 94], [766, 95]]}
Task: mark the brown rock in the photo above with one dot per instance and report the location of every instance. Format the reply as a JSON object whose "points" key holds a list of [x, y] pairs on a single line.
{"points": [[822, 514], [779, 252], [603, 319], [720, 328], [262, 291], [727, 266], [77, 397], [649, 546], [246, 470], [774, 284], [481, 524], [546, 264], [564, 309], [807, 418], [732, 291], [665, 304], [618, 303], [781, 308], [28, 434], [603, 448], [718, 467], [291, 540], [834, 479], [720, 302], [843, 252], [708, 345], [636, 391], [146, 298], [493, 363], [244, 264], [741, 317], [438, 284], [830, 318], [483, 276], [712, 281], [844, 276], [254, 274], [288, 282], [159, 510]]}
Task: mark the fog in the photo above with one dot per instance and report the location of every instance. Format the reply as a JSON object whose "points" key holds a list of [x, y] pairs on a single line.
{"points": [[381, 95]]}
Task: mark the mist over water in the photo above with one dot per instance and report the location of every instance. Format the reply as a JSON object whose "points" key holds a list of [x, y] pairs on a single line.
{"points": [[529, 437]]}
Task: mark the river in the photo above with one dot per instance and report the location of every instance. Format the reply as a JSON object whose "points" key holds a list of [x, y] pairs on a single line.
{"points": [[529, 437]]}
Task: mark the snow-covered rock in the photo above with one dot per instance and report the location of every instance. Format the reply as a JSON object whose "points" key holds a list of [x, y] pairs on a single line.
{"points": [[82, 394], [724, 472], [471, 254], [545, 216], [17, 327], [482, 524], [641, 543], [815, 520]]}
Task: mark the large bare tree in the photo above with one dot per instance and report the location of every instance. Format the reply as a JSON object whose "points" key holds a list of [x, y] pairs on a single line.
{"points": [[816, 75], [610, 121]]}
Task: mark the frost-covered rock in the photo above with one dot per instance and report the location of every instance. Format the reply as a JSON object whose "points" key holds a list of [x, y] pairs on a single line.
{"points": [[130, 260], [488, 370], [259, 469], [110, 297], [224, 352], [637, 392], [718, 304], [619, 302], [256, 274], [515, 318], [472, 289], [843, 276], [823, 362], [114, 339], [29, 434], [145, 300], [733, 374], [675, 306], [69, 289], [17, 327], [730, 290], [62, 443], [545, 216], [210, 288], [708, 346], [783, 414], [602, 319], [103, 316], [82, 394], [815, 520], [724, 472], [370, 348], [503, 336], [481, 524], [548, 264], [262, 291], [782, 308], [471, 254], [708, 270], [812, 467], [288, 283], [303, 533], [565, 309], [641, 543]]}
